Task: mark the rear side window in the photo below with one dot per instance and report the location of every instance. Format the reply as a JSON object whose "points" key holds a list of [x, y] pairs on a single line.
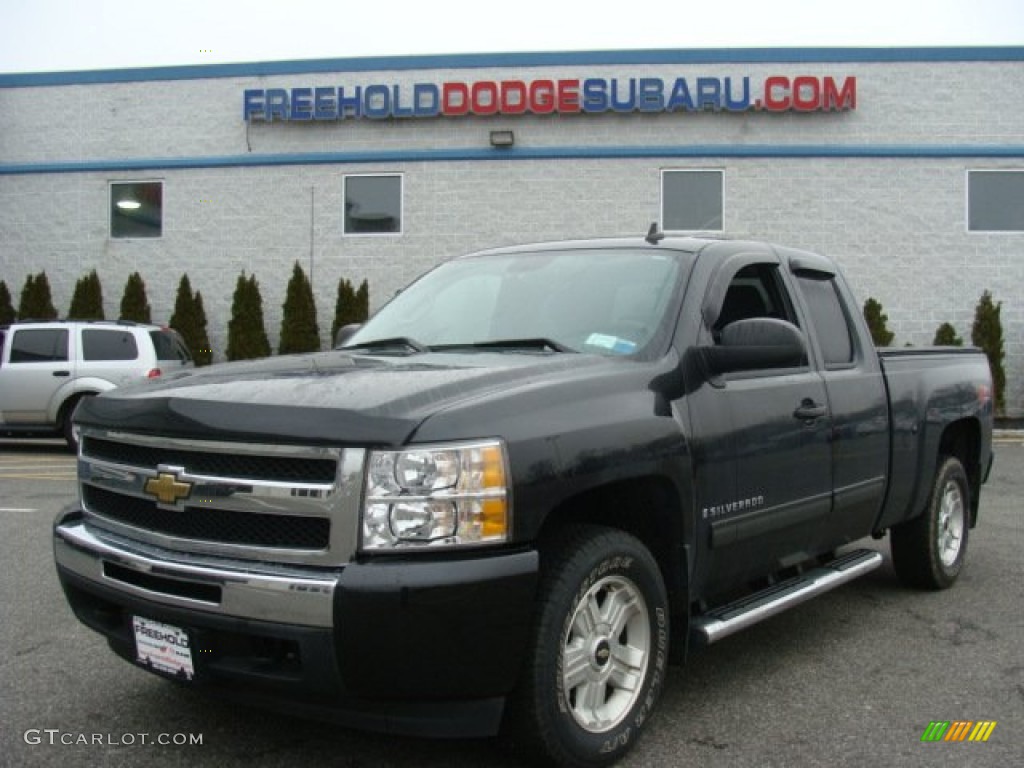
{"points": [[108, 345], [829, 318], [42, 345], [170, 346]]}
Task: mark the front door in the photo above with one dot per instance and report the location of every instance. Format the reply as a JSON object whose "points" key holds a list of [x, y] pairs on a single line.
{"points": [[765, 470], [38, 366]]}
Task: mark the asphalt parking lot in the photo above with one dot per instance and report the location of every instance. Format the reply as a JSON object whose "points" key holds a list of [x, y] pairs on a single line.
{"points": [[853, 678]]}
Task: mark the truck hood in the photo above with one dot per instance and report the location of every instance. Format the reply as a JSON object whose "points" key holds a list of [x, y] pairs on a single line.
{"points": [[332, 398]]}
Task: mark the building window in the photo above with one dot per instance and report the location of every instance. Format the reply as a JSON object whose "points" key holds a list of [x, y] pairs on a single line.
{"points": [[691, 200], [373, 205], [995, 201], [136, 209]]}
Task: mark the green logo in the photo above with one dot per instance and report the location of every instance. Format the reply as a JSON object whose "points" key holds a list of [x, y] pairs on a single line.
{"points": [[958, 730]]}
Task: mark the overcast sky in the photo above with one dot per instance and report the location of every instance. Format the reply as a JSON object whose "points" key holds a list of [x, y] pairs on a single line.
{"points": [[57, 35]]}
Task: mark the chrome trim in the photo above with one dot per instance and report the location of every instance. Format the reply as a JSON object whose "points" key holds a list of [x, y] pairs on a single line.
{"points": [[338, 501], [709, 628], [284, 595]]}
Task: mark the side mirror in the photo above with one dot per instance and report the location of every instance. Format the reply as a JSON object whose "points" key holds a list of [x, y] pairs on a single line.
{"points": [[345, 333], [757, 343]]}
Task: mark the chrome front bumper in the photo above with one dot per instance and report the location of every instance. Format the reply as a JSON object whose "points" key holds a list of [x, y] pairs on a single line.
{"points": [[236, 589]]}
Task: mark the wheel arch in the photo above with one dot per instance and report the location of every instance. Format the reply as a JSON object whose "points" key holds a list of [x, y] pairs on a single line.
{"points": [[649, 508], [962, 440]]}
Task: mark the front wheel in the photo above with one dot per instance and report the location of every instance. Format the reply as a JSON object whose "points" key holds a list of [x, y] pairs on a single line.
{"points": [[600, 648], [929, 550]]}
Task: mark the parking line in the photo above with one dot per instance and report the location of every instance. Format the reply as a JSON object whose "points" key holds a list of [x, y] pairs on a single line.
{"points": [[38, 476]]}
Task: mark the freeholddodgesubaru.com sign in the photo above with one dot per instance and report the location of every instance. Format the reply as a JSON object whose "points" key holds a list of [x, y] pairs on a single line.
{"points": [[803, 93]]}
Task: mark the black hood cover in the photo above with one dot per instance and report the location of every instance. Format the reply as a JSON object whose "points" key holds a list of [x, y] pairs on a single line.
{"points": [[331, 398]]}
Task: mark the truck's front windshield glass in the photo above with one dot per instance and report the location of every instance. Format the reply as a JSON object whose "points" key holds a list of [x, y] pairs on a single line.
{"points": [[601, 301]]}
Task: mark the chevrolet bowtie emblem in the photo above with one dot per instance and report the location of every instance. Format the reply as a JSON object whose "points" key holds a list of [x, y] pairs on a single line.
{"points": [[167, 488]]}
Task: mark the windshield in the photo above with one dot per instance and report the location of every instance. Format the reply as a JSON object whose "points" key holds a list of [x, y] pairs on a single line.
{"points": [[603, 301]]}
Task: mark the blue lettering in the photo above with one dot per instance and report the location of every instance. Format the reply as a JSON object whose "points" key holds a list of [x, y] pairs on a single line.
{"points": [[629, 104], [426, 100], [351, 106], [252, 105], [277, 104], [652, 95], [737, 105], [709, 93], [399, 110], [377, 102], [302, 103], [324, 106], [595, 95], [680, 98]]}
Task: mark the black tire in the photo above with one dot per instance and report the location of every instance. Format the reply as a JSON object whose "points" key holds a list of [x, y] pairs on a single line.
{"points": [[66, 424], [599, 652], [929, 551]]}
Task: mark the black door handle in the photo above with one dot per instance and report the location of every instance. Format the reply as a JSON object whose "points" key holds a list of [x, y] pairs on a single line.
{"points": [[810, 410], [62, 373]]}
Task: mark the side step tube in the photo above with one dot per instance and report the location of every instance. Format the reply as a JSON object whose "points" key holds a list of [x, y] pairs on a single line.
{"points": [[732, 617]]}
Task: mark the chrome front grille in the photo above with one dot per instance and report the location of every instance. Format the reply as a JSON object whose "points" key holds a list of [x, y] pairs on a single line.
{"points": [[282, 469], [271, 503]]}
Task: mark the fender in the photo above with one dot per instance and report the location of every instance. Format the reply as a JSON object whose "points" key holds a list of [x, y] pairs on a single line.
{"points": [[86, 386]]}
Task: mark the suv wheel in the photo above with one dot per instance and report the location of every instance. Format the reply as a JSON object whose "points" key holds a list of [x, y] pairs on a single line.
{"points": [[66, 424]]}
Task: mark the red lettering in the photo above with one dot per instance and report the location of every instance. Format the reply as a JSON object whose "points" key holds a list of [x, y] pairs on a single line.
{"points": [[838, 99], [485, 98], [568, 95], [806, 94], [771, 102], [542, 97], [454, 99], [513, 97]]}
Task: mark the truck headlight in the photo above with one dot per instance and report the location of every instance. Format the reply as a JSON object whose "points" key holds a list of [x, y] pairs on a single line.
{"points": [[445, 495]]}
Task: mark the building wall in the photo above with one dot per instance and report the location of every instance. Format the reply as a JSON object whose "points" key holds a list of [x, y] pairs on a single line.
{"points": [[881, 188]]}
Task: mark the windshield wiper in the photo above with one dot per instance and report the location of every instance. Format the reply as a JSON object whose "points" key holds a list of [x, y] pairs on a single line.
{"points": [[402, 342], [539, 343]]}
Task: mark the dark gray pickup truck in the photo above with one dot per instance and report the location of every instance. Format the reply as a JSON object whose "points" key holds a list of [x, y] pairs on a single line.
{"points": [[524, 486]]}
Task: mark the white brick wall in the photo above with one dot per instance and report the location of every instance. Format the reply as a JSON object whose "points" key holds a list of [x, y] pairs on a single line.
{"points": [[897, 225]]}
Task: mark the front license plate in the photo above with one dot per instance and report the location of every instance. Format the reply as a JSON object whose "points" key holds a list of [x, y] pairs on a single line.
{"points": [[163, 647]]}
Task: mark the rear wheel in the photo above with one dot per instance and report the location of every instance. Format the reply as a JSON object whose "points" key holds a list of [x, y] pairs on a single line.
{"points": [[600, 648], [929, 550]]}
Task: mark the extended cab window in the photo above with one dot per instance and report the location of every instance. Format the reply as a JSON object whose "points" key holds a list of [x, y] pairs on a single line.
{"points": [[43, 345], [108, 345], [829, 318]]}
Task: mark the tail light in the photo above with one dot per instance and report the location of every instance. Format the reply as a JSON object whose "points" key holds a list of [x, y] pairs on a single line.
{"points": [[154, 373]]}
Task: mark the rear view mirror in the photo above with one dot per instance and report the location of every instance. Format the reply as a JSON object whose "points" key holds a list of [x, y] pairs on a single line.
{"points": [[757, 343]]}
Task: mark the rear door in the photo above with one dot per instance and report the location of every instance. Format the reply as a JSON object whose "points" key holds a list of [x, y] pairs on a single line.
{"points": [[110, 355], [857, 402], [38, 366]]}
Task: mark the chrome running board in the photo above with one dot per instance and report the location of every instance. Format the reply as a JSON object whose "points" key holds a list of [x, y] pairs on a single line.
{"points": [[740, 614]]}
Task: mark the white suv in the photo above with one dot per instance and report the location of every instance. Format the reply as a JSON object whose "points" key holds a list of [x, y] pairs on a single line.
{"points": [[47, 367]]}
